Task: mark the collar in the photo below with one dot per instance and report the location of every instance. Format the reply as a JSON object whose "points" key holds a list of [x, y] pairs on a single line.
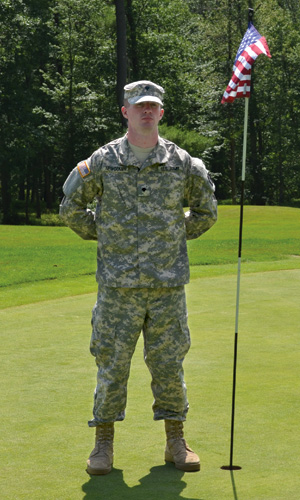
{"points": [[158, 155]]}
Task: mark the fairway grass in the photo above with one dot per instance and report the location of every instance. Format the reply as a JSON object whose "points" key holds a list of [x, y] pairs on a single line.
{"points": [[40, 263], [48, 377]]}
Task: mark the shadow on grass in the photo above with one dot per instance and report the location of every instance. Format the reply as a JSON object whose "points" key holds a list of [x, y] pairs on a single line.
{"points": [[163, 481], [233, 485]]}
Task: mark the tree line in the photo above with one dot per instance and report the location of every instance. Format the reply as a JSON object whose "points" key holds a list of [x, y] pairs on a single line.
{"points": [[63, 65]]}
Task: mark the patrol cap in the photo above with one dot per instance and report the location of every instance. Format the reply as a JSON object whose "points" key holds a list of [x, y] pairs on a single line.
{"points": [[143, 91]]}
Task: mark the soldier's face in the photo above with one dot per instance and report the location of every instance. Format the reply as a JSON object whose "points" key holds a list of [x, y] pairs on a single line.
{"points": [[143, 116]]}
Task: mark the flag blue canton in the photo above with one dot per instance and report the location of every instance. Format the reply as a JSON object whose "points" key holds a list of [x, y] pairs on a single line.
{"points": [[251, 36]]}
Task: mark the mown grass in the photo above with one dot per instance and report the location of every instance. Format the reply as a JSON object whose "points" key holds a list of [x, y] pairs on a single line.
{"points": [[40, 263], [31, 254], [48, 376], [269, 233]]}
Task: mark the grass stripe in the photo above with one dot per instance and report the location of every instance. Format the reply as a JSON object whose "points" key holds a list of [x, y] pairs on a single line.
{"points": [[48, 377]]}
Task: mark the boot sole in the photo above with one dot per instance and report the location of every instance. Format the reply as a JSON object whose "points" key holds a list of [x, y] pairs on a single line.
{"points": [[97, 472], [185, 467]]}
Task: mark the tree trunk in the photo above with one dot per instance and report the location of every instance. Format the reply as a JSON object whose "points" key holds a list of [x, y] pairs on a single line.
{"points": [[121, 53], [133, 54], [230, 117], [47, 187], [6, 194]]}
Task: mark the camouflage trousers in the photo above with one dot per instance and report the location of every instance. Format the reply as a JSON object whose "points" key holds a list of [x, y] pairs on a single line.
{"points": [[119, 316]]}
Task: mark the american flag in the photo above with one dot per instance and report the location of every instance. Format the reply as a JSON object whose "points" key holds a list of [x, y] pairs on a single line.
{"points": [[251, 46]]}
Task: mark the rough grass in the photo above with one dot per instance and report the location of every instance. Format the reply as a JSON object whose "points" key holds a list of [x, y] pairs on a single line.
{"points": [[40, 262], [269, 234]]}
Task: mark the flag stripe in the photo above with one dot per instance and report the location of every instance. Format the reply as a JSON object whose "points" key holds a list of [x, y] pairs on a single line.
{"points": [[252, 45]]}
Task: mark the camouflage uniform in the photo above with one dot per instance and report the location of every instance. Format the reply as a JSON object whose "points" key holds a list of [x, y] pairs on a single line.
{"points": [[142, 264], [119, 316]]}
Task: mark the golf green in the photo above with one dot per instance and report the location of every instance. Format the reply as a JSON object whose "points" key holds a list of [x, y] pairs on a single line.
{"points": [[48, 377]]}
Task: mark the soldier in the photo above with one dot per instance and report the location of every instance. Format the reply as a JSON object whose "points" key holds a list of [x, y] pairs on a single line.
{"points": [[141, 183]]}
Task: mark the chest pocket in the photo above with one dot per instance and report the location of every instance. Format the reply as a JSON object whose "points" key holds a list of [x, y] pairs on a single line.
{"points": [[118, 190], [172, 188]]}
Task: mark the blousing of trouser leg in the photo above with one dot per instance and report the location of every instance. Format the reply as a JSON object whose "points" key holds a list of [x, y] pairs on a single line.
{"points": [[119, 316]]}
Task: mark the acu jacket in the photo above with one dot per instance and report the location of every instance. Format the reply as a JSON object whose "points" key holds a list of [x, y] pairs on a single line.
{"points": [[139, 221]]}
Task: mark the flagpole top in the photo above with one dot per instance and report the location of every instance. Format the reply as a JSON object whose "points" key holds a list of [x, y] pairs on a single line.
{"points": [[250, 15]]}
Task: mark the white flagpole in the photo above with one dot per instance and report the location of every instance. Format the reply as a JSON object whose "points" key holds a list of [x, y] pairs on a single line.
{"points": [[267, 52], [242, 209], [231, 466]]}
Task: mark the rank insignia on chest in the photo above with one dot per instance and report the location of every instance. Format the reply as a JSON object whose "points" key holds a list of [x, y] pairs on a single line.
{"points": [[83, 169], [169, 168]]}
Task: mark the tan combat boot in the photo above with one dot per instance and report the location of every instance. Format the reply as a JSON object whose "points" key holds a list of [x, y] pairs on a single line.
{"points": [[177, 450], [101, 458]]}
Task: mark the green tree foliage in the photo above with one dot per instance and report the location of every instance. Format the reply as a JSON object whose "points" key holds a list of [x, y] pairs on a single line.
{"points": [[78, 81], [63, 64], [21, 56], [277, 97]]}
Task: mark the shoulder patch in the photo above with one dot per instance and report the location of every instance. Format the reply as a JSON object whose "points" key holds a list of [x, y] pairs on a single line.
{"points": [[83, 169]]}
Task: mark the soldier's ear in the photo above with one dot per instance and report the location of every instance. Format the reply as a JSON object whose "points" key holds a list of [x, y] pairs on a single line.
{"points": [[124, 112]]}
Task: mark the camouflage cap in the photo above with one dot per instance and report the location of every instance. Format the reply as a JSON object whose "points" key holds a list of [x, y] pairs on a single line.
{"points": [[143, 91]]}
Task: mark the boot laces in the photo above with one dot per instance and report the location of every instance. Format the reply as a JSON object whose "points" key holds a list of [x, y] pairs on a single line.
{"points": [[175, 430]]}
